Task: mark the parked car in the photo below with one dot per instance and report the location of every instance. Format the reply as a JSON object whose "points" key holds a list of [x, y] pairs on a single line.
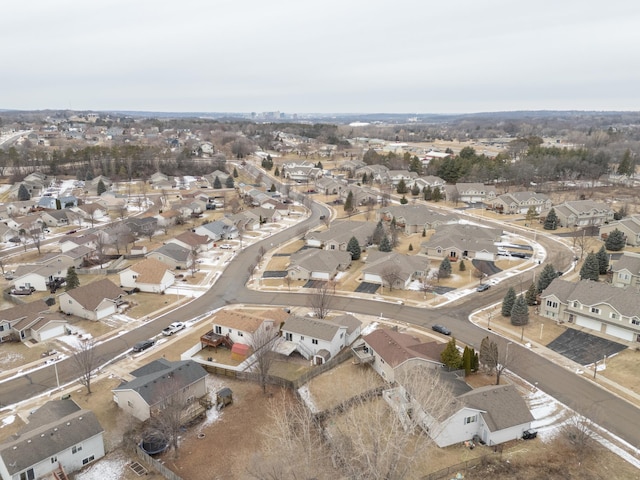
{"points": [[441, 329], [22, 291], [226, 246], [175, 327], [483, 287], [143, 345], [529, 434]]}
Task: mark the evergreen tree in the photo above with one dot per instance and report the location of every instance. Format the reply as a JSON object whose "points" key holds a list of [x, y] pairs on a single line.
{"points": [[353, 247], [427, 193], [547, 276], [276, 172], [424, 232], [72, 281], [402, 187], [445, 268], [532, 214], [590, 268], [551, 222], [217, 184], [385, 244], [626, 166], [436, 196], [615, 241], [508, 302], [411, 247], [520, 312], [403, 200], [462, 267], [348, 204], [364, 178], [235, 172], [603, 260], [229, 182], [378, 233], [23, 193], [450, 356], [531, 296], [319, 165], [101, 188], [415, 165], [415, 190], [467, 361], [476, 362], [273, 188]]}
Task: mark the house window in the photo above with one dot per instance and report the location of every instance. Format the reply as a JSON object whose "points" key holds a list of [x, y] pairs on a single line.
{"points": [[28, 475], [218, 329], [288, 337], [54, 459], [76, 448], [69, 302], [552, 304], [469, 420], [229, 330], [635, 321], [341, 334], [88, 459], [314, 341], [614, 316], [595, 310], [301, 338], [332, 247], [576, 305]]}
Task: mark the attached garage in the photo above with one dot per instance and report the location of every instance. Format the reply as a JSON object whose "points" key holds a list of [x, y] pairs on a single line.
{"points": [[589, 323], [372, 278], [484, 255], [320, 276], [48, 329], [312, 242], [620, 332]]}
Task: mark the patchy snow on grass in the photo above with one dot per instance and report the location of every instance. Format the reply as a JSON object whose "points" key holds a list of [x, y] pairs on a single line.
{"points": [[10, 358], [75, 341], [108, 468], [212, 416], [369, 328], [8, 421], [305, 394]]}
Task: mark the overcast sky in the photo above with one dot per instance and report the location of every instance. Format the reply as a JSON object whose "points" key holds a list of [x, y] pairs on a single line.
{"points": [[322, 56]]}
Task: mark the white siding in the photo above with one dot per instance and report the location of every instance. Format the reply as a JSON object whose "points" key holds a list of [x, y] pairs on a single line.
{"points": [[588, 323]]}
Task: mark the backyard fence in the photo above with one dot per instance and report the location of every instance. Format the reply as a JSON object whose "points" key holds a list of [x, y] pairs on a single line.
{"points": [[463, 467], [151, 462]]}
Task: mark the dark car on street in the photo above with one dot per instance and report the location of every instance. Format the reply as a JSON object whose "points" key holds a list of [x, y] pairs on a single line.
{"points": [[441, 329], [483, 287], [143, 345]]}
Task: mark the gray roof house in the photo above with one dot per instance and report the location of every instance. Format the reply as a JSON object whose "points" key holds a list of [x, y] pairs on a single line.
{"points": [[462, 241], [630, 226], [598, 306], [583, 213], [315, 264], [520, 202], [31, 321], [173, 255], [470, 192], [318, 339], [626, 271], [60, 437], [414, 218], [155, 384], [217, 230], [338, 235], [394, 270]]}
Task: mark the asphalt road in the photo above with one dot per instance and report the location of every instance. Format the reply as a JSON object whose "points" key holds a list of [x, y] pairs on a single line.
{"points": [[614, 414]]}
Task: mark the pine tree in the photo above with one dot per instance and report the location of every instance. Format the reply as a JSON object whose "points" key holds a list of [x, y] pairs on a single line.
{"points": [[235, 172], [229, 182], [101, 188], [378, 233], [217, 184], [319, 165], [590, 268], [402, 187], [462, 267], [411, 247], [424, 232], [467, 361], [415, 165], [364, 178], [23, 193], [626, 165], [427, 193], [547, 276], [71, 281], [276, 172], [385, 244], [450, 356], [273, 188], [532, 294], [436, 196], [615, 241], [508, 301], [551, 222], [445, 268], [415, 190], [403, 200], [348, 204], [353, 247], [520, 312], [603, 261]]}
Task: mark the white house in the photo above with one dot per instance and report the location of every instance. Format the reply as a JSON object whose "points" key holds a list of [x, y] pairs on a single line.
{"points": [[93, 301], [149, 275], [60, 437]]}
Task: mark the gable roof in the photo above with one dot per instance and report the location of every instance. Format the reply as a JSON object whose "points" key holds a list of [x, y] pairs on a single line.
{"points": [[243, 321], [464, 237], [53, 428], [150, 270], [192, 239], [379, 262], [396, 348], [314, 260], [628, 261], [92, 294], [161, 379], [342, 231], [174, 251], [312, 327], [501, 406]]}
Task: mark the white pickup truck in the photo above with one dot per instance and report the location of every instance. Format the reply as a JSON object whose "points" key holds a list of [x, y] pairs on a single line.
{"points": [[173, 328]]}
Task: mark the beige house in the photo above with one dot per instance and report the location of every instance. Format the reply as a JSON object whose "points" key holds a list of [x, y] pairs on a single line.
{"points": [[414, 218], [626, 271], [154, 386], [597, 306], [629, 226], [241, 326], [463, 241], [470, 193], [93, 301], [149, 275], [521, 202], [315, 264], [338, 235], [583, 213], [394, 270]]}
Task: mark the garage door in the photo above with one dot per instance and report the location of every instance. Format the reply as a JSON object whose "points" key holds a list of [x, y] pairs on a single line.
{"points": [[320, 275], [484, 256], [52, 332], [371, 278], [589, 323], [619, 332]]}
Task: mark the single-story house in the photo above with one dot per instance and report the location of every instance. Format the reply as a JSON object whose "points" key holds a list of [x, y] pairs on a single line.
{"points": [[29, 321], [41, 277], [338, 235], [414, 218], [394, 270], [460, 241], [148, 275], [470, 193], [217, 230], [192, 240], [93, 301], [521, 202], [173, 255], [315, 264]]}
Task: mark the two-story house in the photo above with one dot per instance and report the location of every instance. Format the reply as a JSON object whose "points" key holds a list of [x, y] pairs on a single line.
{"points": [[629, 226], [626, 271], [583, 213]]}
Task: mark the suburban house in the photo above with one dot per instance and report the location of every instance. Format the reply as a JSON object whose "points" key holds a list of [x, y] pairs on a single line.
{"points": [[315, 264], [193, 241], [414, 218], [41, 277], [462, 241], [31, 321], [329, 186], [156, 385], [7, 232], [90, 212], [626, 271], [583, 213], [495, 414], [76, 257], [361, 195], [430, 181], [319, 340], [521, 202], [60, 438], [301, 172], [142, 226], [470, 193], [372, 171], [231, 328], [388, 350], [59, 218], [394, 177], [598, 306], [93, 301], [173, 255], [629, 226], [148, 275], [338, 235], [217, 230], [89, 240], [394, 270], [264, 215]]}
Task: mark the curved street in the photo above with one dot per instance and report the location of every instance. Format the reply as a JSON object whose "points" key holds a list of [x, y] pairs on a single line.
{"points": [[616, 415]]}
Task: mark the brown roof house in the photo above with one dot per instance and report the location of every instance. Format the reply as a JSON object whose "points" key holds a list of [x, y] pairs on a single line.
{"points": [[463, 241], [60, 438], [93, 301], [149, 275], [31, 321]]}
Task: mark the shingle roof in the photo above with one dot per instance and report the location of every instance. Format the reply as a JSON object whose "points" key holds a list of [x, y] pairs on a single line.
{"points": [[92, 294], [314, 260], [56, 429], [174, 251], [342, 231], [502, 406], [150, 270], [379, 262], [311, 327], [396, 348], [629, 262], [244, 321]]}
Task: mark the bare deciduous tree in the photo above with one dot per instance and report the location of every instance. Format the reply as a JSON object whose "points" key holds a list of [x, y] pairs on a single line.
{"points": [[321, 300], [391, 276], [262, 343], [86, 362]]}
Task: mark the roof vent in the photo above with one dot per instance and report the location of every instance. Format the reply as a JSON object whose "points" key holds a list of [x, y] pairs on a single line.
{"points": [[79, 418], [29, 441], [68, 423]]}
